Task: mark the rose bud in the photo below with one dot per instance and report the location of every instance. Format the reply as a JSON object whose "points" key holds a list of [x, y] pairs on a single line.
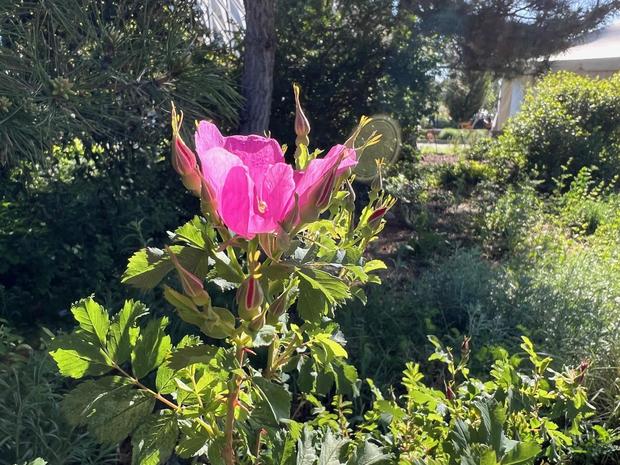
{"points": [[258, 322], [375, 217], [302, 125], [249, 298], [277, 308], [192, 284], [183, 158]]}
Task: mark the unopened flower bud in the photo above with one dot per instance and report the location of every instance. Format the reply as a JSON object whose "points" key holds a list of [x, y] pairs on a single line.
{"points": [[192, 285], [183, 158], [277, 308], [375, 217], [465, 349], [449, 392], [292, 218], [582, 370], [249, 298], [258, 322], [302, 125]]}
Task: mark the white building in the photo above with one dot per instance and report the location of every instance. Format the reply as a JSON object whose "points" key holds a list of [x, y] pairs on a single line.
{"points": [[596, 55]]}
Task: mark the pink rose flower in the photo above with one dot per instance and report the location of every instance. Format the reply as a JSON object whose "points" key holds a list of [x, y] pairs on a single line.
{"points": [[252, 187]]}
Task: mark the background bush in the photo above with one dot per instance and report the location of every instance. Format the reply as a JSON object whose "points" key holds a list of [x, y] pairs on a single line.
{"points": [[85, 98], [566, 120], [351, 58]]}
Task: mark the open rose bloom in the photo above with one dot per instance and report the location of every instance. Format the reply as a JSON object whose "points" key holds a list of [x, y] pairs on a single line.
{"points": [[252, 188]]}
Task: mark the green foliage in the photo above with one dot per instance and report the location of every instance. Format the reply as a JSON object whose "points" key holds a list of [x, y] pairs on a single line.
{"points": [[521, 415], [66, 229], [104, 72], [566, 120], [354, 57], [465, 93], [31, 421]]}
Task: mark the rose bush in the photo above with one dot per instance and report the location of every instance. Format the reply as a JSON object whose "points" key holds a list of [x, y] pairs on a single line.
{"points": [[287, 241]]}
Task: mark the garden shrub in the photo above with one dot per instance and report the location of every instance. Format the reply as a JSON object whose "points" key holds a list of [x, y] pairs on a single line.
{"points": [[354, 57], [566, 120], [32, 423], [67, 228]]}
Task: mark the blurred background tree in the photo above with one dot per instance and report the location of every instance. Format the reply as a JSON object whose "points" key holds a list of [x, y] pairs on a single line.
{"points": [[105, 72], [85, 98], [352, 57], [465, 93], [503, 36]]}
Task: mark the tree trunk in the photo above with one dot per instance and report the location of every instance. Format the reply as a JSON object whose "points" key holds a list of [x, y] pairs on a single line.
{"points": [[258, 63]]}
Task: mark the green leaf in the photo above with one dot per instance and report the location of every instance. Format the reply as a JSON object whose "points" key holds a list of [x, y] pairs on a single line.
{"points": [[311, 303], [123, 331], [306, 453], [215, 322], [92, 317], [77, 356], [186, 356], [152, 347], [368, 453], [154, 441], [110, 408], [264, 336], [523, 452], [332, 449], [332, 287], [274, 405], [148, 267]]}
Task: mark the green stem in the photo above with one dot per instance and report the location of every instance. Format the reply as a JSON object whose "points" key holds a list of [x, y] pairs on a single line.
{"points": [[160, 398], [233, 398]]}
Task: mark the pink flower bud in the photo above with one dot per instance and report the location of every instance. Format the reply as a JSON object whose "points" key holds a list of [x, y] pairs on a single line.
{"points": [[249, 298], [183, 158], [376, 216], [208, 203], [302, 125], [192, 285], [258, 322], [278, 307]]}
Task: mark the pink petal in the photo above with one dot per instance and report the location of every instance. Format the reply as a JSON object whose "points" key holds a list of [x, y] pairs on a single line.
{"points": [[277, 191], [207, 137], [236, 202], [216, 164], [257, 153]]}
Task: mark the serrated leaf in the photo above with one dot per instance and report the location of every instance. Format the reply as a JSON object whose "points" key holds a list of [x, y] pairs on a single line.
{"points": [[152, 347], [368, 453], [79, 403], [274, 404], [92, 317], [164, 379], [153, 442], [332, 287], [332, 449], [121, 338], [311, 303], [76, 356], [523, 452], [148, 267], [110, 408], [194, 440], [186, 356], [306, 452]]}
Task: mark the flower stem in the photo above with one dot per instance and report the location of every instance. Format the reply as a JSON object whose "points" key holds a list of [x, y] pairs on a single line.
{"points": [[233, 399]]}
